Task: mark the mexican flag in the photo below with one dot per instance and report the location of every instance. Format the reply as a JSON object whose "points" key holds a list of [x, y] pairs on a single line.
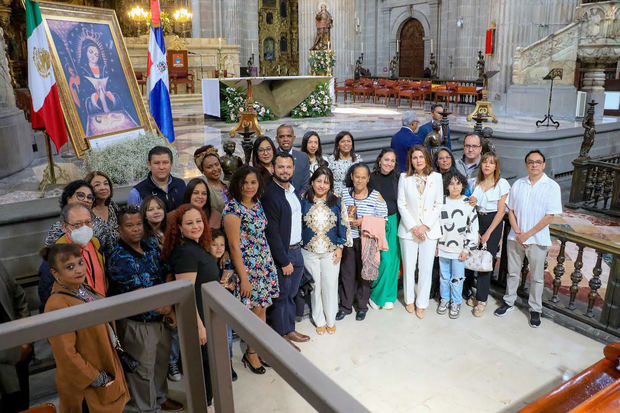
{"points": [[46, 111]]}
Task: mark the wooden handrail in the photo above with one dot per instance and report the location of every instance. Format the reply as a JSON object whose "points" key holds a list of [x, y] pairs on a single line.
{"points": [[585, 240]]}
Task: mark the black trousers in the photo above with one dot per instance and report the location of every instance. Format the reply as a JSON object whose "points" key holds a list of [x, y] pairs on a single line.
{"points": [[281, 314], [351, 285], [205, 369], [18, 401], [483, 281]]}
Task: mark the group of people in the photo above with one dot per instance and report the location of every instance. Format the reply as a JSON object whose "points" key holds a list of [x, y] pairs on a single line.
{"points": [[292, 212]]}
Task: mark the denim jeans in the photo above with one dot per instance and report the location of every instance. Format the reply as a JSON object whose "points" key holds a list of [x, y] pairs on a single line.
{"points": [[451, 279], [174, 347]]}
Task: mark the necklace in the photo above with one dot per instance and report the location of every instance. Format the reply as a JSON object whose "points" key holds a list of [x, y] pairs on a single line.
{"points": [[80, 292]]}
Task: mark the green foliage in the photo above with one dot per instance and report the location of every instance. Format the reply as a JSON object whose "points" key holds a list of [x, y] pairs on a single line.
{"points": [[321, 62], [125, 162], [319, 103], [166, 23], [233, 103]]}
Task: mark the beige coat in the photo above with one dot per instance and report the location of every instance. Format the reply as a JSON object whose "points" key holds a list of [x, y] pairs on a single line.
{"points": [[80, 356], [416, 209]]}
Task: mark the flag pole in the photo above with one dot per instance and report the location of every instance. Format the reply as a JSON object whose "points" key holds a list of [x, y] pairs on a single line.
{"points": [[50, 159]]}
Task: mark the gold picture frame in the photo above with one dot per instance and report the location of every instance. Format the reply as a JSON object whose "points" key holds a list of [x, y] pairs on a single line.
{"points": [[98, 90]]}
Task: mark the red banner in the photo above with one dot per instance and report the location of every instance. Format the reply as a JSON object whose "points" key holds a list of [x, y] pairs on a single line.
{"points": [[490, 42]]}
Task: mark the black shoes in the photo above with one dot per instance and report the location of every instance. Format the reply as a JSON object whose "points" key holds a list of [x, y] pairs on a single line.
{"points": [[534, 319], [360, 316], [233, 373], [340, 315], [255, 370], [503, 310]]}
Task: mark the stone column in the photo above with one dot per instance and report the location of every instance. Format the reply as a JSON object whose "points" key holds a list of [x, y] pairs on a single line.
{"points": [[240, 26], [594, 86], [206, 18]]}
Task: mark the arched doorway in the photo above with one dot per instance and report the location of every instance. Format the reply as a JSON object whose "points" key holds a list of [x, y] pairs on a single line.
{"points": [[411, 49]]}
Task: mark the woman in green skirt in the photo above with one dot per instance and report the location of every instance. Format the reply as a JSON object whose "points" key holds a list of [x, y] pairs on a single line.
{"points": [[384, 178]]}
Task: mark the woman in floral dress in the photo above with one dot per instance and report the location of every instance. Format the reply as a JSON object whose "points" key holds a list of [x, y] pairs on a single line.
{"points": [[245, 223], [341, 160]]}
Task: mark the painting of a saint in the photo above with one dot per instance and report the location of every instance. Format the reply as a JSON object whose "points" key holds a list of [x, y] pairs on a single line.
{"points": [[269, 49], [93, 71]]}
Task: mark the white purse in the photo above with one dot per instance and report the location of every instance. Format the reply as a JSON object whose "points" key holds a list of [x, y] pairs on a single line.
{"points": [[479, 260]]}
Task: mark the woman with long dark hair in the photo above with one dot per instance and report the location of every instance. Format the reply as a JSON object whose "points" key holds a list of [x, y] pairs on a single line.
{"points": [[489, 196], [341, 159], [103, 206], [263, 154], [311, 145], [384, 178], [186, 248], [420, 195], [245, 223], [197, 193], [325, 230], [153, 211]]}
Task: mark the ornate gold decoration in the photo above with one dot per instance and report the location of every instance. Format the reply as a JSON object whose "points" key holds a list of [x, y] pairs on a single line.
{"points": [[42, 61], [276, 31]]}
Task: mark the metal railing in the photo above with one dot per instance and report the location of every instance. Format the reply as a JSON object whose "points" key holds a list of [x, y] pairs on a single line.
{"points": [[221, 309], [596, 185], [604, 318], [181, 293]]}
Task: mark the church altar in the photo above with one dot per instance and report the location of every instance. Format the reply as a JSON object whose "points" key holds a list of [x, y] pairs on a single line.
{"points": [[281, 93]]}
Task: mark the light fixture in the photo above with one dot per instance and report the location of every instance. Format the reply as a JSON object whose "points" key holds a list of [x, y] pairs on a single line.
{"points": [[459, 23], [137, 13], [182, 15]]}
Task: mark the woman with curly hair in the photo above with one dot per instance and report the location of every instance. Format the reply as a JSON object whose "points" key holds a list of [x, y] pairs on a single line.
{"points": [[341, 160], [186, 249], [208, 161]]}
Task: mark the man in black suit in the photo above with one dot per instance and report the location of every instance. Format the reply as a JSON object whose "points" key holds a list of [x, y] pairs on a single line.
{"points": [[285, 136], [283, 210], [14, 389], [436, 114]]}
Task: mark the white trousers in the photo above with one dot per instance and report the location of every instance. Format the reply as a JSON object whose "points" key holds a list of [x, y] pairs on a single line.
{"points": [[422, 254], [324, 296]]}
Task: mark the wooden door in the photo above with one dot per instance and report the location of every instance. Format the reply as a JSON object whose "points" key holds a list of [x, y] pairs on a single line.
{"points": [[411, 49]]}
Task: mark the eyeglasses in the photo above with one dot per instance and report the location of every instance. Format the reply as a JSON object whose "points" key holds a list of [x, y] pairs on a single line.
{"points": [[537, 163], [81, 196], [77, 225], [472, 146], [265, 150]]}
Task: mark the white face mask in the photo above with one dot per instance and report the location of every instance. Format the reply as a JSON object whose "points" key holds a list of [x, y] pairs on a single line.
{"points": [[82, 235]]}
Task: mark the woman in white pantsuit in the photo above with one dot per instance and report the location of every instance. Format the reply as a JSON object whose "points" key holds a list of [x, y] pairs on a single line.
{"points": [[420, 194]]}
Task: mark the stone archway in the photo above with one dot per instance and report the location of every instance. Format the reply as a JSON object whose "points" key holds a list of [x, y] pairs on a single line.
{"points": [[411, 49]]}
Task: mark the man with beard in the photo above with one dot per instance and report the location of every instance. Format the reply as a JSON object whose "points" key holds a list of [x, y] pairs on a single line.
{"points": [[283, 210], [285, 136]]}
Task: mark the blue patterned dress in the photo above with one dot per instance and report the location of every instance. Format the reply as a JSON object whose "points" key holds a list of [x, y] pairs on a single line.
{"points": [[256, 254]]}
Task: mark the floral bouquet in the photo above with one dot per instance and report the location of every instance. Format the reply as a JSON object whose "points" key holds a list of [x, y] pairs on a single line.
{"points": [[321, 62], [319, 103], [232, 103]]}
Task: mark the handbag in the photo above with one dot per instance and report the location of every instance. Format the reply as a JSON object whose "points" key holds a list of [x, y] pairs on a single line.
{"points": [[479, 260], [130, 364]]}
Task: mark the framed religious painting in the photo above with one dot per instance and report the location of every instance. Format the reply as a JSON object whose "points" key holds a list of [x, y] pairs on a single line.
{"points": [[98, 90]]}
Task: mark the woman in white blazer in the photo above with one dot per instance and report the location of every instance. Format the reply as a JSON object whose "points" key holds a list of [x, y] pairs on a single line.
{"points": [[420, 192]]}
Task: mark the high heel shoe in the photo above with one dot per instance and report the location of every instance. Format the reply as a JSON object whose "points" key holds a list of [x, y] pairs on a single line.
{"points": [[255, 370]]}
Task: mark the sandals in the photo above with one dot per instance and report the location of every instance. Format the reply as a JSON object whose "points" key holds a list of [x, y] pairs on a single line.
{"points": [[479, 308]]}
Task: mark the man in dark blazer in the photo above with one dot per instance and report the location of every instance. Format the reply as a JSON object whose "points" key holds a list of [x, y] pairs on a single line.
{"points": [[436, 111], [405, 138], [283, 210], [14, 388], [285, 136]]}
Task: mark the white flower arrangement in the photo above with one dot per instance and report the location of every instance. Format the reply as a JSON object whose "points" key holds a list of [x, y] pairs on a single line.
{"points": [[317, 104], [233, 103], [125, 162]]}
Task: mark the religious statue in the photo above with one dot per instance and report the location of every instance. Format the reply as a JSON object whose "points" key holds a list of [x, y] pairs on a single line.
{"points": [[393, 67], [589, 133], [433, 64], [433, 138], [324, 23], [480, 66], [487, 144], [230, 162]]}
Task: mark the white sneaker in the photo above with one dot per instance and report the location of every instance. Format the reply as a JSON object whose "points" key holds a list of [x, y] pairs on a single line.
{"points": [[388, 306], [373, 305]]}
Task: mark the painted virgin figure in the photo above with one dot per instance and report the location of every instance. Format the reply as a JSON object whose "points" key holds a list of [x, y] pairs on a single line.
{"points": [[95, 86]]}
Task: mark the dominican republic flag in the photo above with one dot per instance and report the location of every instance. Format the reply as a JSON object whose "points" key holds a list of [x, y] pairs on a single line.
{"points": [[157, 76], [46, 110]]}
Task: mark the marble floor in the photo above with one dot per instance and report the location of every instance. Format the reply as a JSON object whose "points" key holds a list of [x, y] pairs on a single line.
{"points": [[192, 131], [394, 362]]}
